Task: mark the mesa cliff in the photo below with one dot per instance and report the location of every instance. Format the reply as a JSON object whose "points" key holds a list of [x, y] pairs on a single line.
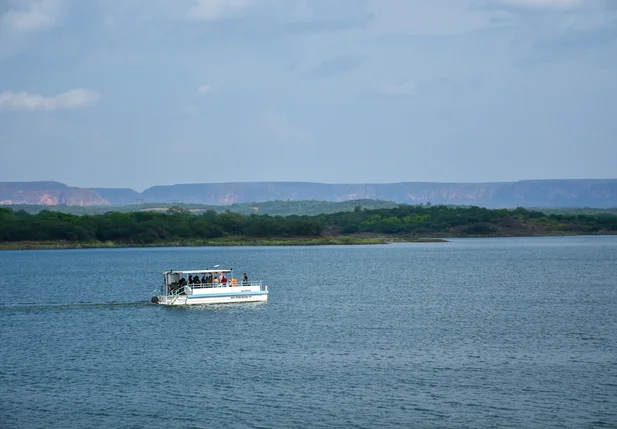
{"points": [[597, 193]]}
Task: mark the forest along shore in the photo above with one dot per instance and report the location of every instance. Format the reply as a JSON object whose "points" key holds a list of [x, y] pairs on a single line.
{"points": [[178, 227]]}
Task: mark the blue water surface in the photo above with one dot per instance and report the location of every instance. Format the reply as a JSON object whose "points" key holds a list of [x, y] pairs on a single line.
{"points": [[509, 332]]}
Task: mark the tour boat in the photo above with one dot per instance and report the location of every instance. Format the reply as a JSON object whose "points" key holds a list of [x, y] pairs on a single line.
{"points": [[210, 287]]}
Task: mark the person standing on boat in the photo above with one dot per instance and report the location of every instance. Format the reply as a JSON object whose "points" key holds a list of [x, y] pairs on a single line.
{"points": [[245, 279], [223, 279]]}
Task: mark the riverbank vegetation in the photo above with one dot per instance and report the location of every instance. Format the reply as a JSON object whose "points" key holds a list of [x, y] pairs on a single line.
{"points": [[177, 226]]}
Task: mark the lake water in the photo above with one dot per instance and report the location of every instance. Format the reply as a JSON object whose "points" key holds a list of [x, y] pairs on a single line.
{"points": [[516, 332]]}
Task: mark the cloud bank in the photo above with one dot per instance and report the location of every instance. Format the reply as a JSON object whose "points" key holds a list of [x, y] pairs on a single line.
{"points": [[31, 16], [542, 4], [73, 99]]}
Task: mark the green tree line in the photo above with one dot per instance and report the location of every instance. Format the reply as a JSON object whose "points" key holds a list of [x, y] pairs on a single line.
{"points": [[178, 223], [148, 227], [469, 221]]}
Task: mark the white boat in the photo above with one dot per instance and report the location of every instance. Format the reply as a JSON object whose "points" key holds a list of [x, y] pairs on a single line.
{"points": [[216, 289]]}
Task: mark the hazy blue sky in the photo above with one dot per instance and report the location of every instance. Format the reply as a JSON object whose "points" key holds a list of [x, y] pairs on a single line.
{"points": [[134, 93]]}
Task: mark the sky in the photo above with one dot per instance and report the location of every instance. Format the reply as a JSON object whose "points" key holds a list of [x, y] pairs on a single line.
{"points": [[137, 93]]}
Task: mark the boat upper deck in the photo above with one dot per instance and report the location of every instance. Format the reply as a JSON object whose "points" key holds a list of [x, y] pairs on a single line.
{"points": [[197, 272]]}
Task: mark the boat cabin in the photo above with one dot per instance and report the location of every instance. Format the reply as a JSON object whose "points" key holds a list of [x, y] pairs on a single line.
{"points": [[197, 279]]}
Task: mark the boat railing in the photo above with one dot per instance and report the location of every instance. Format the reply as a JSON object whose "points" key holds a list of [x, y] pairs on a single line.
{"points": [[174, 295], [228, 284]]}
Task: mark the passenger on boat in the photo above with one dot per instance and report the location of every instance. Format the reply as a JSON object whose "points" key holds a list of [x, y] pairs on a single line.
{"points": [[190, 279], [215, 280], [245, 279], [182, 281], [223, 279], [196, 279], [204, 279]]}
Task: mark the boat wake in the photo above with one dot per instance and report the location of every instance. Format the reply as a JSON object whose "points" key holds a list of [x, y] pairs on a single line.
{"points": [[70, 306]]}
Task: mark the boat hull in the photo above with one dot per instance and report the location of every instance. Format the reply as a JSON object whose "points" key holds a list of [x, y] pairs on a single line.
{"points": [[225, 295]]}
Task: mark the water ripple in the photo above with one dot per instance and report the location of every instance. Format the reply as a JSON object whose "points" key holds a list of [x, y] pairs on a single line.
{"points": [[473, 333]]}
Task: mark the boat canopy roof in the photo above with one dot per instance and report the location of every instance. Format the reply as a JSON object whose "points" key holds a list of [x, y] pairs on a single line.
{"points": [[197, 271]]}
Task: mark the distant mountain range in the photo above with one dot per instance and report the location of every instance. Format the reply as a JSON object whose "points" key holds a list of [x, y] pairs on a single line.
{"points": [[597, 193]]}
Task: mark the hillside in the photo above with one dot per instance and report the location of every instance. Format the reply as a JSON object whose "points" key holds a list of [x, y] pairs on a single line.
{"points": [[48, 193], [594, 193], [282, 208]]}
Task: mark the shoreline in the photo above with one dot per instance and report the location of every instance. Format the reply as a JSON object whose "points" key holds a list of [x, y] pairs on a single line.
{"points": [[250, 242], [227, 242]]}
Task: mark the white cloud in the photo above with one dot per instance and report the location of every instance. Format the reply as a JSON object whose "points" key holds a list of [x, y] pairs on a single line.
{"points": [[294, 11], [20, 20], [420, 17], [34, 15], [204, 89], [213, 10], [72, 99], [542, 4]]}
